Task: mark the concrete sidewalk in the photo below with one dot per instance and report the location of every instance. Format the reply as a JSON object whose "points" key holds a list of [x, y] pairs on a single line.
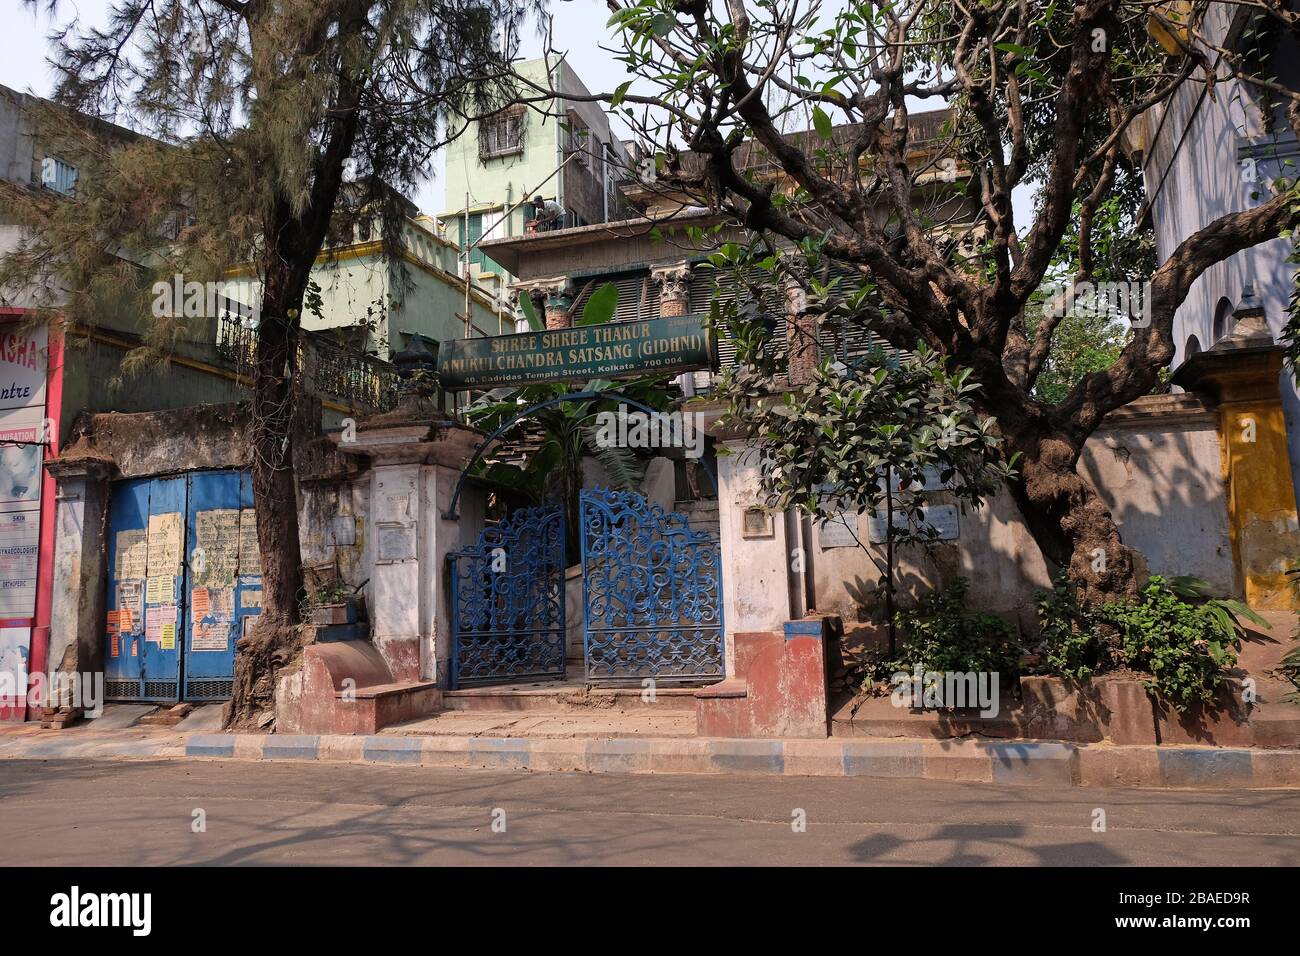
{"points": [[974, 761]]}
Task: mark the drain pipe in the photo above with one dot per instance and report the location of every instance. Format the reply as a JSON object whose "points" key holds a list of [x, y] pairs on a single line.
{"points": [[798, 583], [809, 578]]}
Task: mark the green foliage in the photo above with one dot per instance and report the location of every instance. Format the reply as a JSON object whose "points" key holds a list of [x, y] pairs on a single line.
{"points": [[274, 130], [1082, 342], [530, 313], [1185, 648], [941, 635], [826, 447], [600, 305], [553, 472], [1069, 639], [1186, 641], [1290, 664]]}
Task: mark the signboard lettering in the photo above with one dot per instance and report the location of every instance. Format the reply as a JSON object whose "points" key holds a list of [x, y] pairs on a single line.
{"points": [[609, 350]]}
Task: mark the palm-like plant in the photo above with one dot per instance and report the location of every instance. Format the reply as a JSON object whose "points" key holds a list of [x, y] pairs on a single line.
{"points": [[552, 473]]}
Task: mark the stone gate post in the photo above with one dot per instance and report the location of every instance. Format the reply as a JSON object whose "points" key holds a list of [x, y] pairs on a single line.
{"points": [[416, 456]]}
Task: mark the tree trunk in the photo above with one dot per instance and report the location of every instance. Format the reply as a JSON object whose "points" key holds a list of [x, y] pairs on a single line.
{"points": [[274, 639], [1069, 521]]}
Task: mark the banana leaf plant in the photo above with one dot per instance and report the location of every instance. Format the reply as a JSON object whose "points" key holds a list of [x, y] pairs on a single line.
{"points": [[552, 473]]}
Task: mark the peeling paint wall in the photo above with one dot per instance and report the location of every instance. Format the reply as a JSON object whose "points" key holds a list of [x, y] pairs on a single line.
{"points": [[1158, 467], [334, 527]]}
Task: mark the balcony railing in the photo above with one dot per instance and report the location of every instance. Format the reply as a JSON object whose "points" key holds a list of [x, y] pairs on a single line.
{"points": [[329, 370]]}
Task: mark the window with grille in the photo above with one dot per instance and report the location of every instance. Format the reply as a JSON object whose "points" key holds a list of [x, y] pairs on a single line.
{"points": [[578, 140], [501, 135], [708, 284], [59, 176], [841, 341]]}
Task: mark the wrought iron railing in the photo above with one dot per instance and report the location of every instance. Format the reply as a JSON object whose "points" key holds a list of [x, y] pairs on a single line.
{"points": [[328, 369]]}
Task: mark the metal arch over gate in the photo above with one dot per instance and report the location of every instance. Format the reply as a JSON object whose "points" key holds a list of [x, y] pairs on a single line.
{"points": [[652, 592], [507, 601]]}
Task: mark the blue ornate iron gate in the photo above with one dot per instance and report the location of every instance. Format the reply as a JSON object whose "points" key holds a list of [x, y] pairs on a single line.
{"points": [[507, 601], [652, 592]]}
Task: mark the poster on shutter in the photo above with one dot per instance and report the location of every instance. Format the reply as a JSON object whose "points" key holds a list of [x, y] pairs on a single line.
{"points": [[19, 546], [210, 637], [165, 544], [130, 604], [131, 558], [199, 604], [250, 557], [221, 603], [217, 533], [156, 620], [161, 590]]}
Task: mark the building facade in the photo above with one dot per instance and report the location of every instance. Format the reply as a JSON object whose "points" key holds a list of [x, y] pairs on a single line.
{"points": [[375, 303], [56, 375], [1211, 151], [562, 150]]}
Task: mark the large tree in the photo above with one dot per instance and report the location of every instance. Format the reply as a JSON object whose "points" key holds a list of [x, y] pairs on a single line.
{"points": [[1042, 98], [274, 126]]}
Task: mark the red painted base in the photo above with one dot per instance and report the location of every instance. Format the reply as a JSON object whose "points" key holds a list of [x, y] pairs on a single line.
{"points": [[779, 689]]}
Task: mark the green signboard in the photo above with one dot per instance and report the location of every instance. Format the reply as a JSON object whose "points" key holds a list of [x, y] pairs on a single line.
{"points": [[662, 346]]}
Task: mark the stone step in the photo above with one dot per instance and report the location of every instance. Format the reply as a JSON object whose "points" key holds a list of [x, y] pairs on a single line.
{"points": [[879, 718], [596, 724], [568, 697]]}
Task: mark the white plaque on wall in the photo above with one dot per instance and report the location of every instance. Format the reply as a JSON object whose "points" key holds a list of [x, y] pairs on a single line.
{"points": [[943, 519], [839, 531]]}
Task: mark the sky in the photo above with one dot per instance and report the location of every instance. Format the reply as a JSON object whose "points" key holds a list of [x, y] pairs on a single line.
{"points": [[578, 30]]}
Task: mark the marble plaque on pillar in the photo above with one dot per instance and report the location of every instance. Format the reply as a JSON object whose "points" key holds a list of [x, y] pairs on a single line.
{"points": [[396, 542]]}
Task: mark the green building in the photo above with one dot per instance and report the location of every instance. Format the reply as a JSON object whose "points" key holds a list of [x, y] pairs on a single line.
{"points": [[559, 149], [373, 302]]}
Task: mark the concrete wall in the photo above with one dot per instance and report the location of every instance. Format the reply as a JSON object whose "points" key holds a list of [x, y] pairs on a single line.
{"points": [[16, 163], [1157, 464], [94, 382], [335, 528], [1193, 168]]}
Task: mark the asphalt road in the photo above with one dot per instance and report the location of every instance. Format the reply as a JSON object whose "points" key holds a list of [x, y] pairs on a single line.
{"points": [[141, 813]]}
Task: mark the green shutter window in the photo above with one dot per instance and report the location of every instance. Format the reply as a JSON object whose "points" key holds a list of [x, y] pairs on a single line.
{"points": [[475, 234]]}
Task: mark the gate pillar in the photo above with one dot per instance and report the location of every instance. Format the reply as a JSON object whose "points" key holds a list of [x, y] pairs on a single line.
{"points": [[80, 567], [416, 455], [758, 552]]}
